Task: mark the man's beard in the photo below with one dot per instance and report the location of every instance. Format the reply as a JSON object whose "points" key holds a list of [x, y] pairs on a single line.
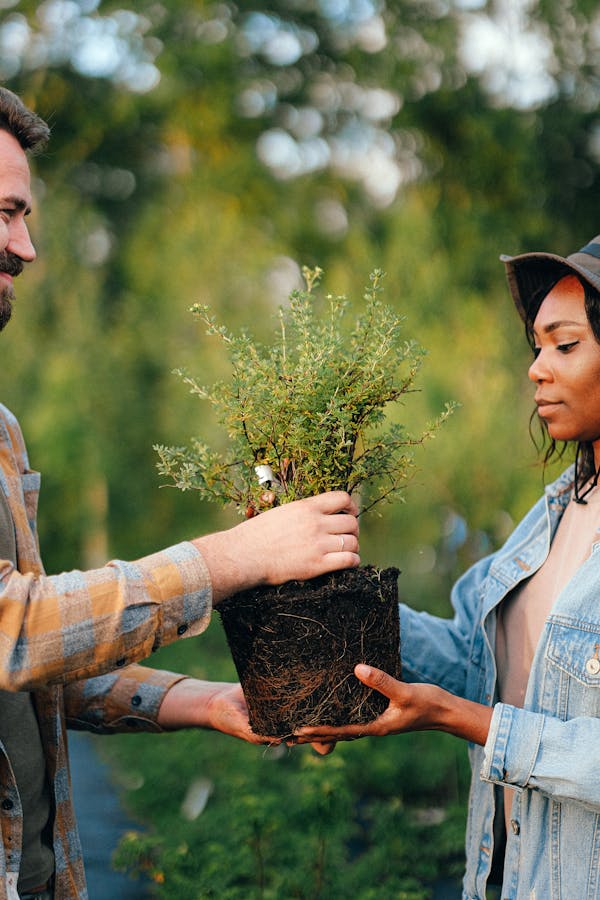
{"points": [[12, 265], [6, 297]]}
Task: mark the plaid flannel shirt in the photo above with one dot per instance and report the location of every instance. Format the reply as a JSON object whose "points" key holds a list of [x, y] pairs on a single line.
{"points": [[73, 640]]}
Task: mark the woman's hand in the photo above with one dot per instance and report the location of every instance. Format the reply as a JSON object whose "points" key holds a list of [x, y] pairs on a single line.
{"points": [[413, 707]]}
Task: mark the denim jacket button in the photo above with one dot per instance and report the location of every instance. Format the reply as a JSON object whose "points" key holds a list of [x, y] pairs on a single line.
{"points": [[592, 666], [516, 828]]}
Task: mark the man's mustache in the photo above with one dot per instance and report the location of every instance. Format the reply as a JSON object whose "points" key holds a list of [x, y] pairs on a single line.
{"points": [[10, 263]]}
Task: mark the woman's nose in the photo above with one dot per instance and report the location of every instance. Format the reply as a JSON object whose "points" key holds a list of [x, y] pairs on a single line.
{"points": [[538, 370]]}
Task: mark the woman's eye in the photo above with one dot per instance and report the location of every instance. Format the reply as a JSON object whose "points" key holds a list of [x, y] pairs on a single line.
{"points": [[536, 352], [565, 348]]}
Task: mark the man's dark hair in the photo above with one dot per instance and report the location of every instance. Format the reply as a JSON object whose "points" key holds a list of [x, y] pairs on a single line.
{"points": [[29, 129]]}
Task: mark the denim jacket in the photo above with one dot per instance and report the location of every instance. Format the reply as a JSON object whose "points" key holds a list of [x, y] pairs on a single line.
{"points": [[549, 751]]}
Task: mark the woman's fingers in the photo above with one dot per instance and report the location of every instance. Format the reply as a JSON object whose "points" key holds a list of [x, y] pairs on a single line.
{"points": [[379, 680]]}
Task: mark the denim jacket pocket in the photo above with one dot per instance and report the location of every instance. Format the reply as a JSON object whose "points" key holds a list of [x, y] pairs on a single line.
{"points": [[573, 655]]}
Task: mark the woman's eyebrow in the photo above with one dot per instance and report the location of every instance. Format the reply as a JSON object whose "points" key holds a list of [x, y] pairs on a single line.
{"points": [[561, 323]]}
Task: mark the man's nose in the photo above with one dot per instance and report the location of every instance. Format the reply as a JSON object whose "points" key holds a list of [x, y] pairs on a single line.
{"points": [[19, 241]]}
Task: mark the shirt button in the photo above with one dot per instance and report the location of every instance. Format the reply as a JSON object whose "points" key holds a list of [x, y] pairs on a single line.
{"points": [[182, 629], [592, 666], [7, 804], [136, 700], [516, 828]]}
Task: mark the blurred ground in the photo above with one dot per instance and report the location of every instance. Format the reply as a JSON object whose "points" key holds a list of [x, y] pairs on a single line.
{"points": [[102, 822]]}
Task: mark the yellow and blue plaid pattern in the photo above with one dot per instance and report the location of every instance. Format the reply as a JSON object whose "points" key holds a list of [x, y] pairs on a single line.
{"points": [[74, 640]]}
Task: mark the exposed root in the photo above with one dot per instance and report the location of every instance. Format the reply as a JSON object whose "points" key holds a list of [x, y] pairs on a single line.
{"points": [[295, 648]]}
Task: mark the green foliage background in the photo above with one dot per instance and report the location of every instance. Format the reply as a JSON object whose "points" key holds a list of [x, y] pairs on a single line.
{"points": [[154, 195]]}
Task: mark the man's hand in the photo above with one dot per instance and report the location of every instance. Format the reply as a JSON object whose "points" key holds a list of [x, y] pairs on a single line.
{"points": [[413, 707], [218, 705], [294, 541]]}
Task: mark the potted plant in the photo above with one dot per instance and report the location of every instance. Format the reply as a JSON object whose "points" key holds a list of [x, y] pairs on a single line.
{"points": [[306, 413]]}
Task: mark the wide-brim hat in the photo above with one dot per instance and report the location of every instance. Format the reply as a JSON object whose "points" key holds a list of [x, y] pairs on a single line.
{"points": [[532, 275]]}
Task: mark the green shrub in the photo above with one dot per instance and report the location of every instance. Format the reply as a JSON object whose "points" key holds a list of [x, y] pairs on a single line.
{"points": [[317, 407], [287, 823], [307, 413]]}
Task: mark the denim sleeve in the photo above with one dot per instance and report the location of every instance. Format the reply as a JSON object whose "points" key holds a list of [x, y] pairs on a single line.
{"points": [[435, 650], [532, 750]]}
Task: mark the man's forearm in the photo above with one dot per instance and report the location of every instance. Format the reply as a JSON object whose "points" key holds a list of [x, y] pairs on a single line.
{"points": [[187, 704], [218, 705]]}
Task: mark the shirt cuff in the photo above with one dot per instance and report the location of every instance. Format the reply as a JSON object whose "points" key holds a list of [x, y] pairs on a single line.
{"points": [[181, 583], [134, 702], [512, 746]]}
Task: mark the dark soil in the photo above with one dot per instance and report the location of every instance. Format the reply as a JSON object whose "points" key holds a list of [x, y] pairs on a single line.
{"points": [[295, 647]]}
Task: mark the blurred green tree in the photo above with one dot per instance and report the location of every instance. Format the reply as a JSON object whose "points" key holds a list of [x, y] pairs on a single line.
{"points": [[202, 152]]}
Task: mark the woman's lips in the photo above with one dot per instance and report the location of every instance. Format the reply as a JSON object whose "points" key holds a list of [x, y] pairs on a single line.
{"points": [[546, 406]]}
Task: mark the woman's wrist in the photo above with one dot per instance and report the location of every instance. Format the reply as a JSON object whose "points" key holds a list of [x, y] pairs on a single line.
{"points": [[467, 720]]}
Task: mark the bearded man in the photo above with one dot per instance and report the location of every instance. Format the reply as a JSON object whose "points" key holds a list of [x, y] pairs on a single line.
{"points": [[70, 643]]}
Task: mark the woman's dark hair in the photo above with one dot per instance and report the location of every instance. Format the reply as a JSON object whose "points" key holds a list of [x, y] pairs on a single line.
{"points": [[586, 466]]}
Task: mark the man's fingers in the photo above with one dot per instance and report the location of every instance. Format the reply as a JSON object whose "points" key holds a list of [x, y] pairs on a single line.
{"points": [[335, 502]]}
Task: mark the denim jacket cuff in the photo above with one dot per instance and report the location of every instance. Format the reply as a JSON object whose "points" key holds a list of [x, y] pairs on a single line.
{"points": [[512, 746]]}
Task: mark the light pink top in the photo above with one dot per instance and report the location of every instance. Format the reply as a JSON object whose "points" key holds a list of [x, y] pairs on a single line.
{"points": [[522, 615]]}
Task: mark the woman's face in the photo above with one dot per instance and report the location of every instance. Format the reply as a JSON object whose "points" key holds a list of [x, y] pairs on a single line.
{"points": [[566, 369]]}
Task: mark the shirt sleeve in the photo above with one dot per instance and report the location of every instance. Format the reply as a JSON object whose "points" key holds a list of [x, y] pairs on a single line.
{"points": [[125, 701], [61, 628], [435, 650], [531, 750]]}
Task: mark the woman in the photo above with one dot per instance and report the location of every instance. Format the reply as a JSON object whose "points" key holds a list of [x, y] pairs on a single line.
{"points": [[516, 672]]}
